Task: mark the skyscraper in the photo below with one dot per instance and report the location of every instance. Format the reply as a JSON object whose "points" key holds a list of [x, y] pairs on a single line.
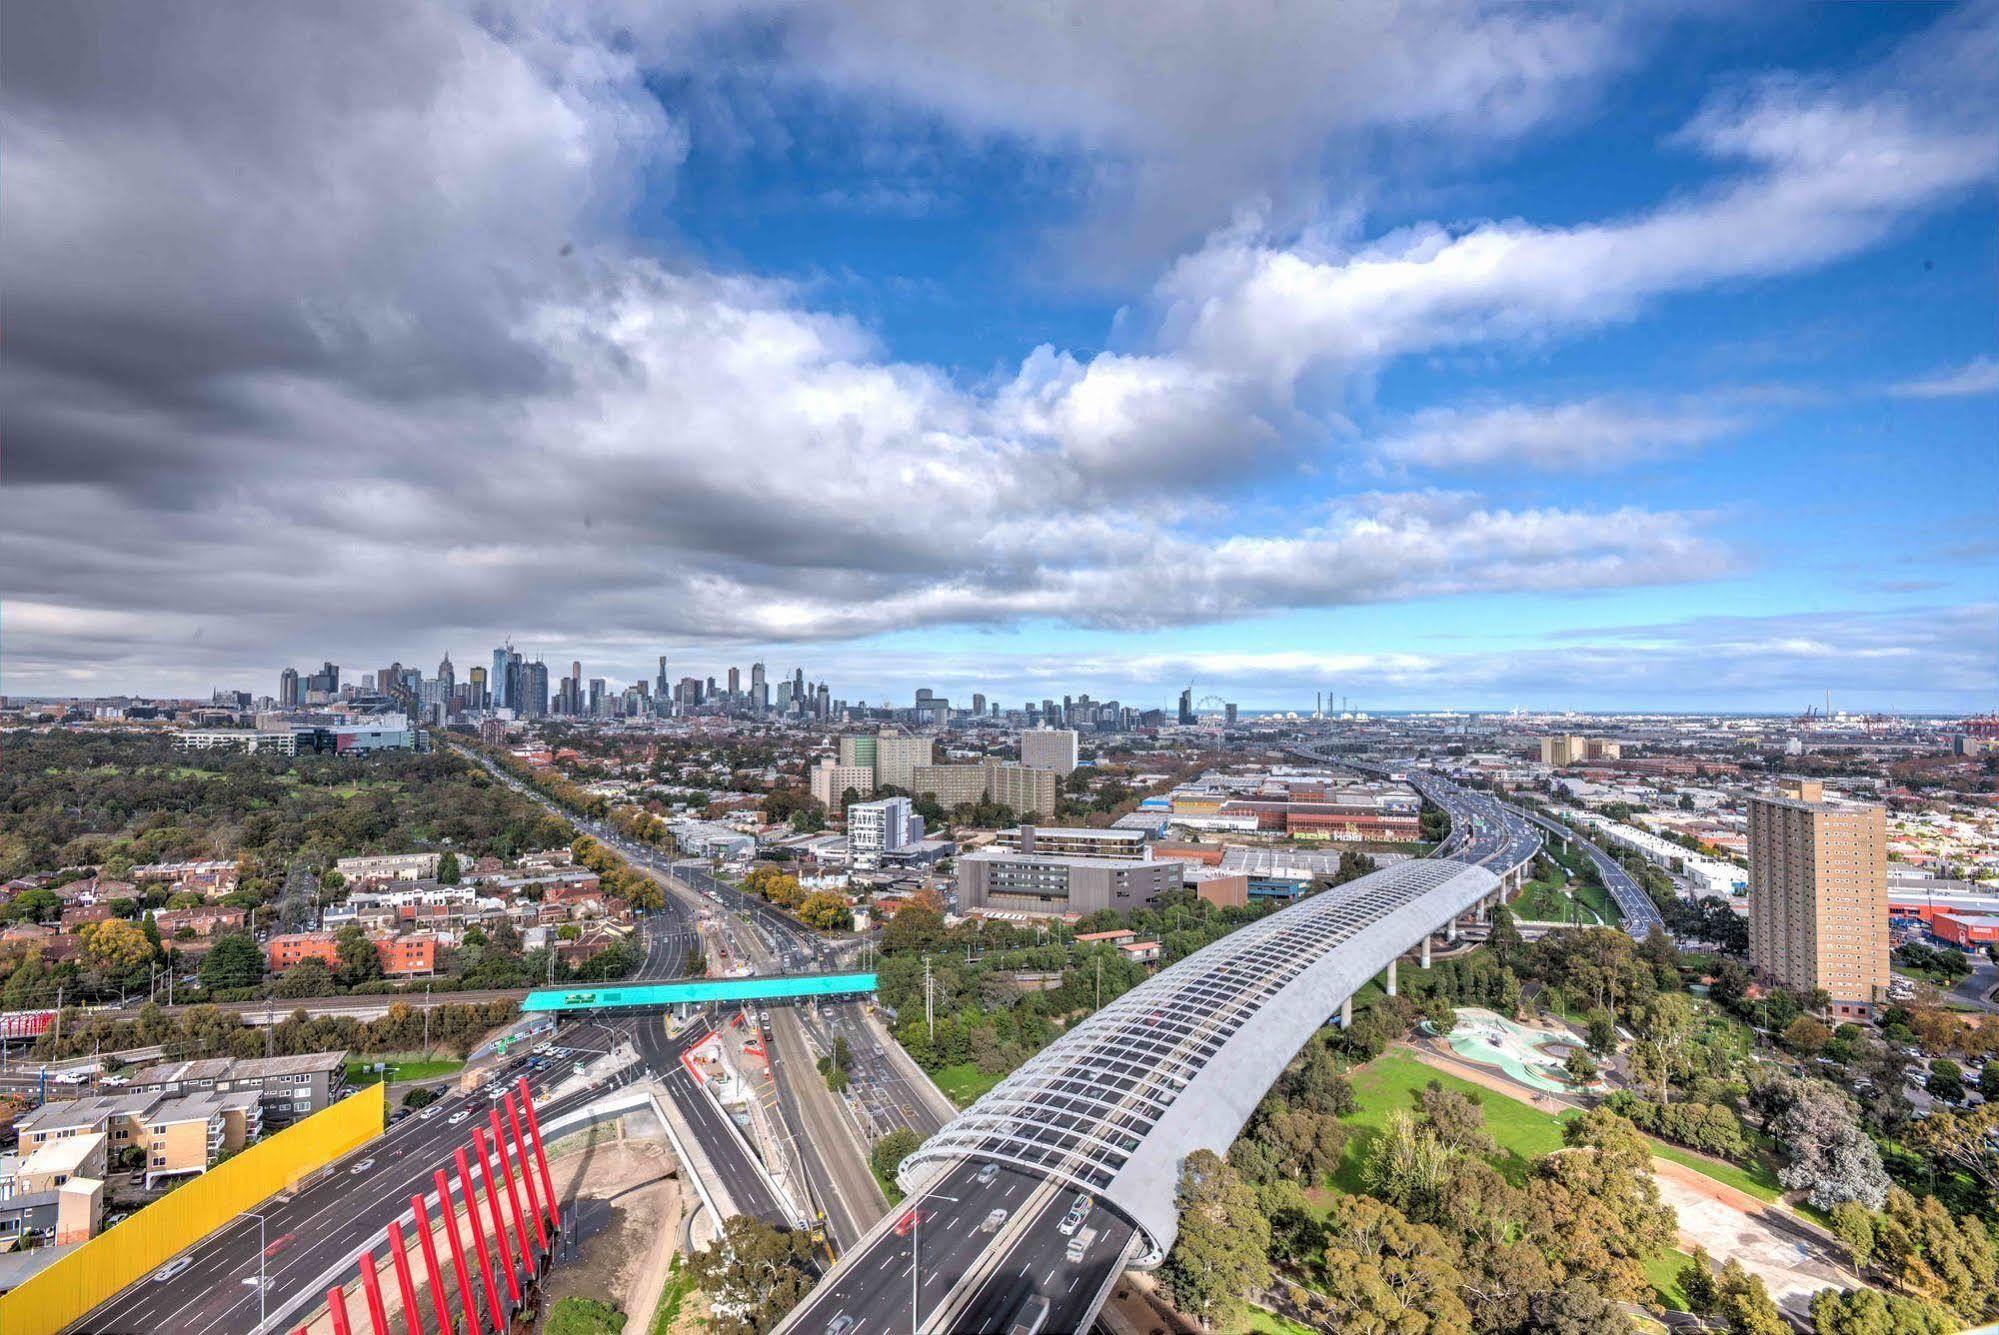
{"points": [[288, 689], [1818, 896], [498, 681], [447, 677], [759, 690], [533, 680], [1187, 706], [735, 683], [476, 695], [661, 687]]}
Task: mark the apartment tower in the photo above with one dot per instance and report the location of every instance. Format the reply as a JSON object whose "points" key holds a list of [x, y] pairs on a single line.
{"points": [[1818, 896]]}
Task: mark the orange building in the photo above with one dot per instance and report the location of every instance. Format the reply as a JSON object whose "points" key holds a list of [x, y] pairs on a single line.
{"points": [[295, 947]]}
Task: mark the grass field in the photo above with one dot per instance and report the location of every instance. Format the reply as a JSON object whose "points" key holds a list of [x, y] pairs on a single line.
{"points": [[1663, 1271], [361, 1072], [1263, 1321], [584, 1316], [1392, 1080], [1758, 1181], [679, 1283], [964, 1082]]}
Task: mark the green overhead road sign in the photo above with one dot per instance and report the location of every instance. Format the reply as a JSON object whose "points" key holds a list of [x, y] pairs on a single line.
{"points": [[657, 996]]}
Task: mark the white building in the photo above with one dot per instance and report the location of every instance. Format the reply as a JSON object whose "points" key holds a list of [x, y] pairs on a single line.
{"points": [[875, 829], [830, 782]]}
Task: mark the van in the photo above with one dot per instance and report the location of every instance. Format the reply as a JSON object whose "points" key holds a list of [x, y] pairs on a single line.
{"points": [[1031, 1318], [1079, 1246]]}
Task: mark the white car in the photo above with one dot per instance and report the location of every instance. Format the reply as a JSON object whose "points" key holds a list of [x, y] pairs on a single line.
{"points": [[428, 1113], [172, 1268], [362, 1167], [458, 1117]]}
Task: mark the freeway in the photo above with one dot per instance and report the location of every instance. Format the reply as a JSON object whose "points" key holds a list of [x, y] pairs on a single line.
{"points": [[834, 1160], [972, 1279], [1640, 914]]}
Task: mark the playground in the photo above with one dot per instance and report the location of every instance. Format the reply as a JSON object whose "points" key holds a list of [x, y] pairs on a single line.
{"points": [[1531, 1056]]}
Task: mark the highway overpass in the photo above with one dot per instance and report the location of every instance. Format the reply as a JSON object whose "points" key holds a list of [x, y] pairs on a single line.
{"points": [[632, 998], [1108, 1112]]}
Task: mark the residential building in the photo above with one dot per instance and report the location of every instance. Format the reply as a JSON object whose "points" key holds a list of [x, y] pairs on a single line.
{"points": [[897, 758], [1572, 750], [1818, 896], [389, 867], [288, 1088], [859, 752], [1030, 792], [830, 782], [951, 785], [1054, 886], [1050, 748]]}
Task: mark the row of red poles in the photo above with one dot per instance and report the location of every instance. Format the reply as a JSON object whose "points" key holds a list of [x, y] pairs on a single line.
{"points": [[527, 1254]]}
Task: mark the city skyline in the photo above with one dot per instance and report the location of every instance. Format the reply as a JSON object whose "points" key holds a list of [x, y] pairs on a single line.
{"points": [[1475, 358]]}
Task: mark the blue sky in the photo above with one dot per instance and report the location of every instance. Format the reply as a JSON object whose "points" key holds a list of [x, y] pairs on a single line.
{"points": [[1591, 357]]}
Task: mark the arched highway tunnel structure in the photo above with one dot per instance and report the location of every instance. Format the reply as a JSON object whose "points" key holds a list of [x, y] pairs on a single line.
{"points": [[1180, 1062]]}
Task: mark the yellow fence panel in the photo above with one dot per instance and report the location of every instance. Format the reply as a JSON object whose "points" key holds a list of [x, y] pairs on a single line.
{"points": [[81, 1280]]}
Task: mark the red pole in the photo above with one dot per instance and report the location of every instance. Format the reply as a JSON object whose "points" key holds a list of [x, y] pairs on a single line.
{"points": [[547, 1182], [479, 1242], [371, 1286], [336, 1307], [399, 1253], [527, 1175], [513, 1195], [430, 1260], [450, 1213], [493, 1208]]}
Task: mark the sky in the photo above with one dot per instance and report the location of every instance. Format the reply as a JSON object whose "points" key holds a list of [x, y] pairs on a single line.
{"points": [[1593, 356]]}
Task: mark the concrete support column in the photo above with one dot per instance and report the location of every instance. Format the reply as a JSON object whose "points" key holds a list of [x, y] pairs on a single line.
{"points": [[1451, 930], [1426, 950], [1391, 976], [1346, 1013]]}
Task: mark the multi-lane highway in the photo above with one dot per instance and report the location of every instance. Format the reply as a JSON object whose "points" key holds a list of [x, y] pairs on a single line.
{"points": [[948, 1240], [1640, 915], [308, 1238]]}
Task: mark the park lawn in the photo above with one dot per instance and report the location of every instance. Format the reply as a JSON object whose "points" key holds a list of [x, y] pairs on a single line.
{"points": [[1263, 1321], [1663, 1272], [583, 1316], [1391, 1081], [963, 1083], [358, 1072]]}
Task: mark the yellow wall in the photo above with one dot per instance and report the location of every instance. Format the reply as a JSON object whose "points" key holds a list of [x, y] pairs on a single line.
{"points": [[101, 1267]]}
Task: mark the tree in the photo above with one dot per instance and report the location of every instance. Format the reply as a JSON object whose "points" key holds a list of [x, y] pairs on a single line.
{"points": [[1221, 1251], [1945, 1082], [912, 929], [1853, 1224], [1594, 1208], [360, 962], [1581, 1067], [1872, 1312], [1602, 1034], [117, 948], [308, 978], [1665, 1027], [234, 961], [1386, 1275], [1806, 1036], [1502, 938], [753, 1275], [825, 911], [891, 1150], [1743, 1305], [447, 868], [1831, 1157], [28, 986]]}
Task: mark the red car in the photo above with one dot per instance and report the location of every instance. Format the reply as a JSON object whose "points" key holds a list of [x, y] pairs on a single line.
{"points": [[282, 1241], [911, 1220]]}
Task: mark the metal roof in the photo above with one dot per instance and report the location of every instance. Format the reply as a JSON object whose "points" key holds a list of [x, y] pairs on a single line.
{"points": [[1114, 1105]]}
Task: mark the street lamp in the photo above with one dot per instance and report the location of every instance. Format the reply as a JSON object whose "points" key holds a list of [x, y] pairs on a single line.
{"points": [[252, 1214]]}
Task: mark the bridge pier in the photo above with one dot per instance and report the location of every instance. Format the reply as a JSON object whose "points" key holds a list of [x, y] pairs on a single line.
{"points": [[1391, 977], [1451, 932], [1426, 950], [1346, 1013]]}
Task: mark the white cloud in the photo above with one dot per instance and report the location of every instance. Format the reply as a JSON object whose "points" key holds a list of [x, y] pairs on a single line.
{"points": [[1586, 434], [1978, 376]]}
